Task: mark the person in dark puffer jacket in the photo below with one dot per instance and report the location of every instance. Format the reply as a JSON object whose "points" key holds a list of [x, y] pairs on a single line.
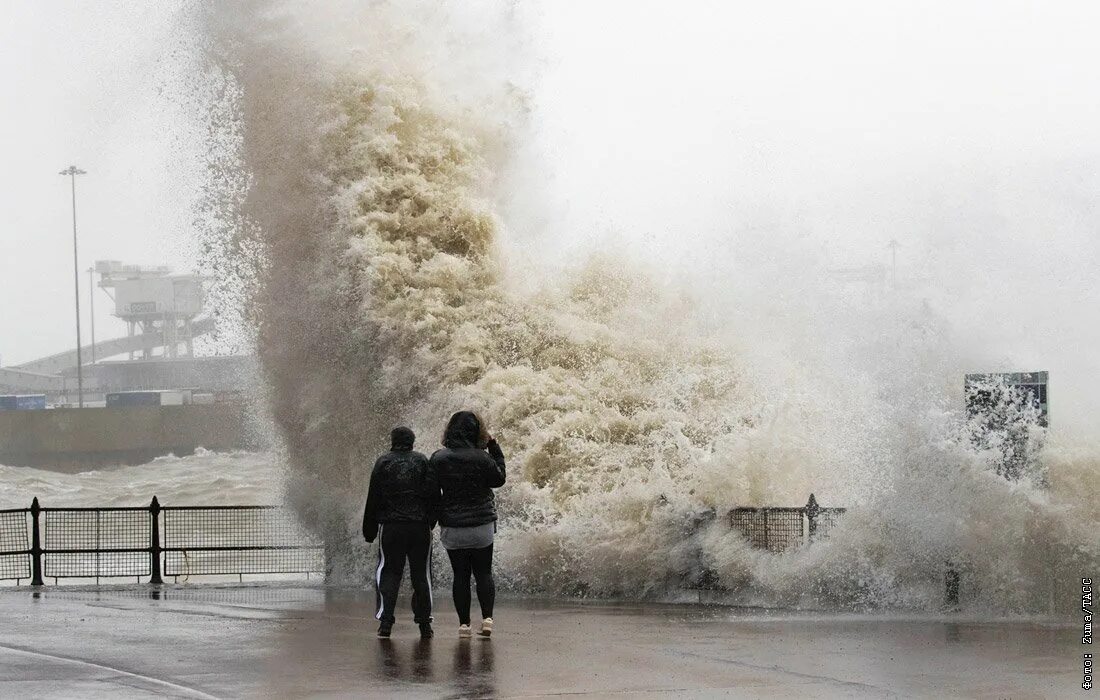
{"points": [[467, 469], [400, 511]]}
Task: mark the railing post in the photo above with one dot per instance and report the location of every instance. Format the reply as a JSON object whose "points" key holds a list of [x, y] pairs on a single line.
{"points": [[812, 511], [36, 544], [951, 586], [154, 542], [767, 535]]}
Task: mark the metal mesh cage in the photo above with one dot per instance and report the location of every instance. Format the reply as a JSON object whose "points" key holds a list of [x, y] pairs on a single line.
{"points": [[232, 526], [13, 538], [15, 566], [774, 529], [13, 531], [243, 561], [237, 540], [94, 564], [83, 535], [750, 523]]}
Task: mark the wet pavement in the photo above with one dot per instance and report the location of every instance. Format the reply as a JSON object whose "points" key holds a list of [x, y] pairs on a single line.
{"points": [[279, 641]]}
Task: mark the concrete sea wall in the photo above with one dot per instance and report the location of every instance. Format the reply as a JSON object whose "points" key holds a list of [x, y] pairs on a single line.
{"points": [[75, 439]]}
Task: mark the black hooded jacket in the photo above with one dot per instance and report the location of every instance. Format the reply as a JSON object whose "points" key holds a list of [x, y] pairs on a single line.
{"points": [[402, 488], [467, 475]]}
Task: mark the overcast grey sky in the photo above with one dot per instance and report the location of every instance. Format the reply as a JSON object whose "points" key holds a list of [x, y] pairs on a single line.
{"points": [[83, 83], [848, 122]]}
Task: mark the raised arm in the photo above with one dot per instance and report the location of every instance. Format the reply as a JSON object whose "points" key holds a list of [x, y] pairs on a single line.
{"points": [[496, 472]]}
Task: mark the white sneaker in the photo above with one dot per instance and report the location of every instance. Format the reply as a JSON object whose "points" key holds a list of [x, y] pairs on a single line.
{"points": [[463, 631], [486, 627]]}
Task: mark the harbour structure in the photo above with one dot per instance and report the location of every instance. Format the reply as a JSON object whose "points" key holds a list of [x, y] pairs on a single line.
{"points": [[164, 315], [144, 394]]}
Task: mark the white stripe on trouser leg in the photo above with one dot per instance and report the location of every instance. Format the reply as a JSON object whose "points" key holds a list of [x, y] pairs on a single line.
{"points": [[378, 575], [431, 601]]}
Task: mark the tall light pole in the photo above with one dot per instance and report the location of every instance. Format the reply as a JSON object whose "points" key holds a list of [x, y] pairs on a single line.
{"points": [[893, 246], [91, 306], [72, 171]]}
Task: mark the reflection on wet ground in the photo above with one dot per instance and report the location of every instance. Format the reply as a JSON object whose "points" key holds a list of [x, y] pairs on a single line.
{"points": [[473, 668], [406, 660], [306, 642]]}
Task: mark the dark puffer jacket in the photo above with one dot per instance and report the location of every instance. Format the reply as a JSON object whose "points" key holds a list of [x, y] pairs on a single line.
{"points": [[467, 475], [402, 488]]}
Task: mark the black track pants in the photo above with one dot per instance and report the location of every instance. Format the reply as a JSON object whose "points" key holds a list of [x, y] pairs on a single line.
{"points": [[398, 542], [478, 562]]}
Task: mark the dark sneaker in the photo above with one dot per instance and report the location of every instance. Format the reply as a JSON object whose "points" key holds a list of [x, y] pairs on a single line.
{"points": [[426, 631], [384, 629]]}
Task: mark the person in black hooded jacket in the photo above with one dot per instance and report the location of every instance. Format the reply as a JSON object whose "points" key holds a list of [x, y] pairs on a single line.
{"points": [[467, 469], [401, 503]]}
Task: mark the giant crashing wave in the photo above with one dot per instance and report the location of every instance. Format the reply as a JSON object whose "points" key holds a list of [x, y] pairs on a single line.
{"points": [[380, 298]]}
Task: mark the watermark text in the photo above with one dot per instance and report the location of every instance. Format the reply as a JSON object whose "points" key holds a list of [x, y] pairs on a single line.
{"points": [[1086, 630]]}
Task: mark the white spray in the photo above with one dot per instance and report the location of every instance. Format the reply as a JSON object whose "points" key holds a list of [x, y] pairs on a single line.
{"points": [[373, 164]]}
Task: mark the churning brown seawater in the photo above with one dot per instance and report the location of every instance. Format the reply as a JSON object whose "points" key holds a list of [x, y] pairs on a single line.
{"points": [[361, 199]]}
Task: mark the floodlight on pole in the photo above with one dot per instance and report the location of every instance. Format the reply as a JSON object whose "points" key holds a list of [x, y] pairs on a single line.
{"points": [[893, 246], [72, 171], [91, 306]]}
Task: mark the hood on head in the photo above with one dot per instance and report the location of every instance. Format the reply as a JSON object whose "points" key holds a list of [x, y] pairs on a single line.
{"points": [[463, 430], [402, 438]]}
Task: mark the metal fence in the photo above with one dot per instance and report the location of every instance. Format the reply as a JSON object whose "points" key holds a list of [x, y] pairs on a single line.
{"points": [[15, 560], [240, 539], [780, 529], [153, 542]]}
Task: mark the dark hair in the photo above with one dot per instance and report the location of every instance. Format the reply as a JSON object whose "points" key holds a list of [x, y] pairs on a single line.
{"points": [[482, 439], [482, 431]]}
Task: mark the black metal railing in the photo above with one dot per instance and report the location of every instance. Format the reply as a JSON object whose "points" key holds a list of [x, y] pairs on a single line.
{"points": [[153, 542], [780, 529], [156, 541], [15, 546], [240, 539]]}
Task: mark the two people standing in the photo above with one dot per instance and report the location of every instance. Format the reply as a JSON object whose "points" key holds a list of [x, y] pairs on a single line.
{"points": [[409, 493]]}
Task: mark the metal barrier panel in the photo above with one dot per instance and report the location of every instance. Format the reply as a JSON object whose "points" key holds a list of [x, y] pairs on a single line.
{"points": [[750, 523], [784, 528], [200, 562], [85, 542], [237, 540], [774, 529], [15, 563]]}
